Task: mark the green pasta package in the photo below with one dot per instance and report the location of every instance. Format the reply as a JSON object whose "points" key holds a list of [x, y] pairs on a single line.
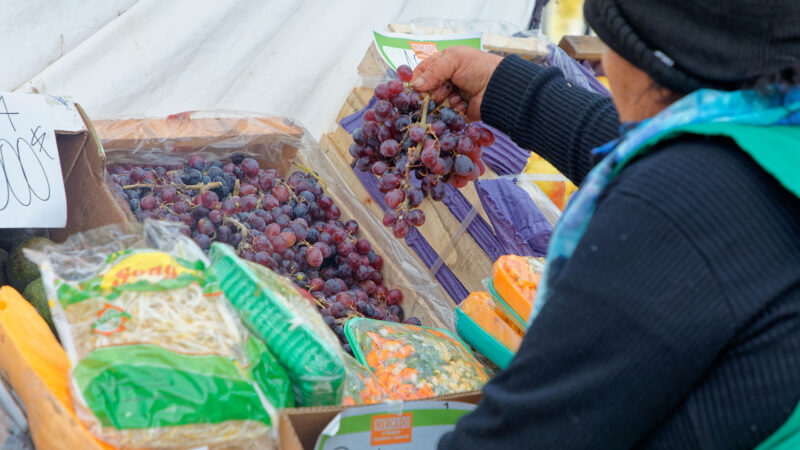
{"points": [[159, 356], [412, 362], [271, 306]]}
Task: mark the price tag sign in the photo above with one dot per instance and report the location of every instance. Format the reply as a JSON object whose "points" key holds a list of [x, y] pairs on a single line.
{"points": [[398, 49], [32, 191]]}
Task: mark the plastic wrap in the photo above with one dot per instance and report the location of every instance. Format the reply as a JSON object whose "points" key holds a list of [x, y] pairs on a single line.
{"points": [[360, 385], [280, 144], [530, 184], [159, 357], [13, 424], [515, 280], [480, 308], [517, 220], [414, 362]]}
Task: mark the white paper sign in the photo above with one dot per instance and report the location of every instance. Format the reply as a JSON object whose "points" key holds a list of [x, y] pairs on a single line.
{"points": [[398, 48], [32, 191]]}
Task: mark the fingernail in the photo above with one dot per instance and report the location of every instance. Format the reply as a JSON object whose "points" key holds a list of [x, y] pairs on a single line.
{"points": [[419, 82]]}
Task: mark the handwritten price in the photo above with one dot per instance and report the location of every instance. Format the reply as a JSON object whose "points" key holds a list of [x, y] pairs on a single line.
{"points": [[23, 176]]}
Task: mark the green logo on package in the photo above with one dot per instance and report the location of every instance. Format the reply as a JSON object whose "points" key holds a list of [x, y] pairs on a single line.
{"points": [[110, 320]]}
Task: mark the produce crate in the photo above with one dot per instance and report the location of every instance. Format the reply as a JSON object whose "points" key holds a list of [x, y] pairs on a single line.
{"points": [[91, 204], [465, 244], [277, 141], [460, 254]]}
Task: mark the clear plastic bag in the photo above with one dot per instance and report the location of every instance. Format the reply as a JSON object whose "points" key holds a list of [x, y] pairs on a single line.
{"points": [[360, 385], [530, 184], [13, 424], [159, 357], [414, 362], [280, 144]]}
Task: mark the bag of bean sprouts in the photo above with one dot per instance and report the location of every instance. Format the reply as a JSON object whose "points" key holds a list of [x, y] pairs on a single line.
{"points": [[159, 357]]}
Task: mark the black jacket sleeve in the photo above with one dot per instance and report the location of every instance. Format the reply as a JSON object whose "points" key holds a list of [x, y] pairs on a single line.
{"points": [[622, 342], [541, 111]]}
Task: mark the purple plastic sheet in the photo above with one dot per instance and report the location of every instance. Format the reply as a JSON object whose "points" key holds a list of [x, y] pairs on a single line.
{"points": [[418, 243], [520, 225], [574, 71], [504, 156]]}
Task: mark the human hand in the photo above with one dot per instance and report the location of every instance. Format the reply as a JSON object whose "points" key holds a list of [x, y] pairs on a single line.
{"points": [[457, 70]]}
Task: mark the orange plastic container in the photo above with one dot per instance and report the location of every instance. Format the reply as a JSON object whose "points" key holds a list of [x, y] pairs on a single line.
{"points": [[480, 308], [37, 367], [515, 279]]}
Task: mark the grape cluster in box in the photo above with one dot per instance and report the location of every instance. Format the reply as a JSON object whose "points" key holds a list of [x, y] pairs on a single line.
{"points": [[414, 146], [288, 225]]}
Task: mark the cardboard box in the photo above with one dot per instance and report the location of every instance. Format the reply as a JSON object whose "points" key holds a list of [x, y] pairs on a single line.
{"points": [[299, 428], [90, 204], [277, 141]]}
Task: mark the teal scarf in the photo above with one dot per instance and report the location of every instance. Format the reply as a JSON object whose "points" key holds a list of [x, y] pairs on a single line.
{"points": [[767, 127]]}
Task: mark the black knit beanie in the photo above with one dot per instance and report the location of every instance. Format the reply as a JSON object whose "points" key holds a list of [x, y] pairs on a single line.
{"points": [[686, 45]]}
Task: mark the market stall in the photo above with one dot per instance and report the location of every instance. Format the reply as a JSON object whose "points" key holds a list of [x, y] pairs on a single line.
{"points": [[222, 280]]}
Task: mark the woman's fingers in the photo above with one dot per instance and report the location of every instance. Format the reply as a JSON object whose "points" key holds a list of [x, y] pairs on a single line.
{"points": [[442, 92], [436, 72]]}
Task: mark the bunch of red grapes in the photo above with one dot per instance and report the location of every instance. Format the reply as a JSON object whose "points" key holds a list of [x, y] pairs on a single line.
{"points": [[414, 147], [288, 225]]}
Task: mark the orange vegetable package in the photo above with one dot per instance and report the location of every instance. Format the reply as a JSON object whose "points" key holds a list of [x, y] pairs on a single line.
{"points": [[413, 362], [515, 279], [481, 309]]}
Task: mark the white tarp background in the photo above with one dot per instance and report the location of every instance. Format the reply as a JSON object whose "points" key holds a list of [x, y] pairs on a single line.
{"points": [[155, 57]]}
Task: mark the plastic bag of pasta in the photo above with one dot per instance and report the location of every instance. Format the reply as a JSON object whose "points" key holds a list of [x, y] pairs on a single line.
{"points": [[159, 357]]}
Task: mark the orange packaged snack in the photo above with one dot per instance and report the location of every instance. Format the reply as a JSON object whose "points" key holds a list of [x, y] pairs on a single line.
{"points": [[481, 309], [515, 279]]}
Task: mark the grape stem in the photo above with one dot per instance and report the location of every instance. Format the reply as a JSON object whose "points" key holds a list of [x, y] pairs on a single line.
{"points": [[242, 230], [311, 172], [413, 156], [200, 186]]}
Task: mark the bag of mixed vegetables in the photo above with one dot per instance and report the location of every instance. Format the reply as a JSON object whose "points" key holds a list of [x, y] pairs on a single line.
{"points": [[413, 362], [159, 357]]}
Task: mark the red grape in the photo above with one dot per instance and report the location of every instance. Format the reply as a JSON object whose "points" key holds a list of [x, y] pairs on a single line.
{"points": [[395, 86], [250, 167], [394, 197], [394, 297], [205, 226], [169, 194], [405, 73], [215, 216], [390, 148], [362, 246], [281, 193], [209, 199], [415, 217], [314, 257], [400, 229], [196, 162], [288, 237], [417, 134], [149, 202]]}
